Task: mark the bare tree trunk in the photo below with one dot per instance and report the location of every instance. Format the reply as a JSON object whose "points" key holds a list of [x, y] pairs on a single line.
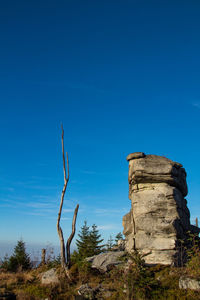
{"points": [[65, 265], [59, 229], [43, 260], [71, 237]]}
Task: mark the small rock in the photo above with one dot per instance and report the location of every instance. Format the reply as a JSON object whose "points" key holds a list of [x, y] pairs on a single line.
{"points": [[86, 291], [189, 283], [98, 292], [50, 277]]}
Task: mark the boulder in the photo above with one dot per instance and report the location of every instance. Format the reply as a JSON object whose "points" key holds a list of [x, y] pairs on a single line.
{"points": [[50, 277], [189, 283], [104, 261]]}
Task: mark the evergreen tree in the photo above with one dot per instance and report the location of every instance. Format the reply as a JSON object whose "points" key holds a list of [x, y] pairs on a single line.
{"points": [[83, 242], [19, 259], [95, 241], [118, 237], [4, 262], [89, 242], [110, 244]]}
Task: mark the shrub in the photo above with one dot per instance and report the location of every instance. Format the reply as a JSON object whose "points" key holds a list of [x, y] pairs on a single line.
{"points": [[193, 263], [139, 280]]}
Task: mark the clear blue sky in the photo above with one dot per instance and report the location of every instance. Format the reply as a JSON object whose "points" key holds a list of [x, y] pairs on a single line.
{"points": [[122, 76]]}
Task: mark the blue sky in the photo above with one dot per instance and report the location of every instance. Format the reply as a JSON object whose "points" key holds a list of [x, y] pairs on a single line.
{"points": [[122, 76]]}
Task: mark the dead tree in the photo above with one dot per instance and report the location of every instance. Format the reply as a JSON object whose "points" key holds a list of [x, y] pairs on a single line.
{"points": [[43, 258], [196, 222], [65, 263]]}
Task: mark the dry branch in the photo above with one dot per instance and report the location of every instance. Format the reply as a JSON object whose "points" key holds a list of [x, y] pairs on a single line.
{"points": [[65, 265], [71, 236]]}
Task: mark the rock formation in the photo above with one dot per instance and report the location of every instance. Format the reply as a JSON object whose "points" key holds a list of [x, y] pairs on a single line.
{"points": [[159, 216]]}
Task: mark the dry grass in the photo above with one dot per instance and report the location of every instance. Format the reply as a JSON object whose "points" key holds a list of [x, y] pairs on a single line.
{"points": [[11, 279], [15, 282], [27, 285]]}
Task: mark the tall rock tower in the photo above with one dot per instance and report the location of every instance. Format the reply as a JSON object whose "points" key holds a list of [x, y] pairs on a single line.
{"points": [[159, 216]]}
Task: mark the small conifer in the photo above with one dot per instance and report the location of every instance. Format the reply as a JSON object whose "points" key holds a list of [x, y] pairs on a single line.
{"points": [[95, 241], [20, 259], [89, 241], [118, 237], [83, 241]]}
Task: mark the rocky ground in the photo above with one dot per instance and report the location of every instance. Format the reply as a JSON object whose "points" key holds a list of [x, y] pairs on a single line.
{"points": [[112, 275]]}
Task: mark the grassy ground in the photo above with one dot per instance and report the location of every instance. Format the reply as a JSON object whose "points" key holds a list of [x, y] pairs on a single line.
{"points": [[138, 282]]}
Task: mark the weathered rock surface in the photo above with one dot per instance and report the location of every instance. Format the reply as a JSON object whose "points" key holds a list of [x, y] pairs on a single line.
{"points": [[104, 261], [189, 283], [50, 277], [159, 215]]}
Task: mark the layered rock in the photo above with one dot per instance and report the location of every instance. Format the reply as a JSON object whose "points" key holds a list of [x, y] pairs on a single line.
{"points": [[159, 216]]}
